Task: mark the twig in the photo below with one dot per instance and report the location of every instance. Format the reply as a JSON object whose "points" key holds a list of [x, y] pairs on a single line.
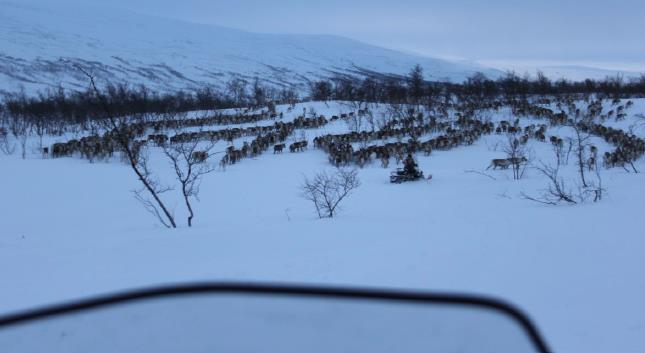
{"points": [[527, 197], [480, 173]]}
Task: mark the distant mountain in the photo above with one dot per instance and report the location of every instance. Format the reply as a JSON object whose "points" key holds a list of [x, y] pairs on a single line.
{"points": [[569, 72], [40, 44], [579, 73]]}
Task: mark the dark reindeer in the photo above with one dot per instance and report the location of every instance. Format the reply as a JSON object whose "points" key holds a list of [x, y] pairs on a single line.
{"points": [[278, 148]]}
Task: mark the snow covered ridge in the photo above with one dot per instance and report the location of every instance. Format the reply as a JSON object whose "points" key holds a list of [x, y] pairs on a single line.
{"points": [[40, 43]]}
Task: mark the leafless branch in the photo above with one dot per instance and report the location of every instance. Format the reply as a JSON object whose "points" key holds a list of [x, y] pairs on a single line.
{"points": [[556, 191], [123, 135], [326, 190], [480, 173], [189, 160]]}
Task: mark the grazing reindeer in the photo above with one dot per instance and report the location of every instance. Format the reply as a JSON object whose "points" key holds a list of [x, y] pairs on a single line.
{"points": [[427, 149], [502, 163], [385, 160], [516, 160], [200, 156], [223, 162], [591, 162], [298, 146], [554, 140], [278, 148]]}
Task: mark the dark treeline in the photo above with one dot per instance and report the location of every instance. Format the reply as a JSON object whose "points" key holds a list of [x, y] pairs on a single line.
{"points": [[123, 100], [78, 107], [413, 88]]}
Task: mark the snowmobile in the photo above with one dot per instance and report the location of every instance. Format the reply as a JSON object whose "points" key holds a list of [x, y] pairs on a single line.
{"points": [[400, 175]]}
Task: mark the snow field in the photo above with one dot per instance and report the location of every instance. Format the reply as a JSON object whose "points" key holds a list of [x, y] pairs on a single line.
{"points": [[72, 229]]}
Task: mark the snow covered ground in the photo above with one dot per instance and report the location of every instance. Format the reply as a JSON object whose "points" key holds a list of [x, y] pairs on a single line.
{"points": [[71, 229]]}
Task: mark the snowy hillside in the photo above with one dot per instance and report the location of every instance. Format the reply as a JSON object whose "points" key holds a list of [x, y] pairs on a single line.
{"points": [[580, 73], [39, 43], [569, 72]]}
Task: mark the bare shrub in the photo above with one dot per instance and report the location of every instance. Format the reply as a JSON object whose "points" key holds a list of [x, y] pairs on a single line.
{"points": [[596, 188], [151, 186], [121, 131], [354, 123], [556, 191], [581, 141], [569, 149], [19, 126], [312, 112], [5, 146], [517, 155], [558, 150], [327, 190], [190, 163], [369, 117]]}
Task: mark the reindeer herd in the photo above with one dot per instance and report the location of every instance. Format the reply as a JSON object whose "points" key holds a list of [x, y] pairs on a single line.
{"points": [[629, 147], [341, 151], [395, 138]]}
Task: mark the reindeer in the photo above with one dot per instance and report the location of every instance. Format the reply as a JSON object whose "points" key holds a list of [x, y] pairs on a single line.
{"points": [[502, 163], [200, 156], [516, 160], [278, 148], [223, 162], [591, 162], [298, 146], [385, 160]]}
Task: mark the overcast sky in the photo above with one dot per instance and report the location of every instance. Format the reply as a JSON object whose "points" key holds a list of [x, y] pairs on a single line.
{"points": [[609, 34]]}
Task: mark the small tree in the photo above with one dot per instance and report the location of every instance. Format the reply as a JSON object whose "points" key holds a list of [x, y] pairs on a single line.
{"points": [[516, 154], [119, 128], [369, 117], [39, 126], [597, 188], [312, 113], [259, 93], [556, 191], [288, 96], [416, 84], [354, 123], [151, 186], [5, 146], [321, 90], [580, 144], [19, 126], [237, 90], [327, 190], [190, 163]]}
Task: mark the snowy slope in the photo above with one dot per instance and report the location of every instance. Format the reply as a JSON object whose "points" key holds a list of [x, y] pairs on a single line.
{"points": [[580, 73], [169, 54], [569, 72]]}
